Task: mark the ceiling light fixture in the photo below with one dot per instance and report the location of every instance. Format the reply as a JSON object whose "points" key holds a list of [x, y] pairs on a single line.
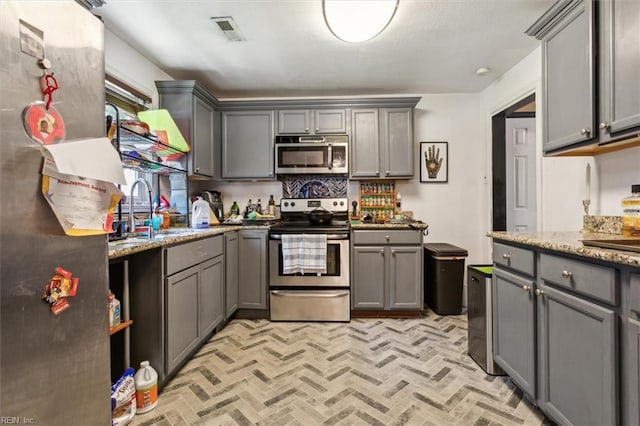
{"points": [[356, 21]]}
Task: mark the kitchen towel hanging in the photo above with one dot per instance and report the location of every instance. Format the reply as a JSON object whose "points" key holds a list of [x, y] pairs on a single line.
{"points": [[304, 253]]}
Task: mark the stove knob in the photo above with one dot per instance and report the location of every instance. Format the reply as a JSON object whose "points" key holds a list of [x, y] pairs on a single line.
{"points": [[293, 203], [341, 203], [335, 203], [286, 204]]}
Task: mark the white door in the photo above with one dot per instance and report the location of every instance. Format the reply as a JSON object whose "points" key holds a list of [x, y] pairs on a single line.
{"points": [[521, 174]]}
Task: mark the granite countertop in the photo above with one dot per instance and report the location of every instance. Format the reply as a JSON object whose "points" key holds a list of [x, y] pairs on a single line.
{"points": [[571, 242], [134, 245], [406, 225]]}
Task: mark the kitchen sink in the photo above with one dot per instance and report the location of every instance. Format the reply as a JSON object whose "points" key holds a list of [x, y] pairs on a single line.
{"points": [[626, 244]]}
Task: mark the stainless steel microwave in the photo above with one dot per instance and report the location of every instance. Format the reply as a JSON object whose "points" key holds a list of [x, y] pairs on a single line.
{"points": [[312, 154]]}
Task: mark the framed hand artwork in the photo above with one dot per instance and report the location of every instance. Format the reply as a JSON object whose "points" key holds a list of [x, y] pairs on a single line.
{"points": [[434, 162]]}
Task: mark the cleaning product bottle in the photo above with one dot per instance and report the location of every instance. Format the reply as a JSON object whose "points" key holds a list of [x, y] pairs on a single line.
{"points": [[200, 214], [631, 213], [146, 381]]}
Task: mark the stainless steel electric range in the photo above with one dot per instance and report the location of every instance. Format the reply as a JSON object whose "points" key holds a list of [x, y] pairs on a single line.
{"points": [[311, 296]]}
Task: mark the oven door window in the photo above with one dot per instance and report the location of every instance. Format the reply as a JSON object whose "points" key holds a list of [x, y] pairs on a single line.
{"points": [[333, 262], [302, 156]]}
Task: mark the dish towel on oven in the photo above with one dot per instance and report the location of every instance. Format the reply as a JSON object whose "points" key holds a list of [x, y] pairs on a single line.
{"points": [[304, 253]]}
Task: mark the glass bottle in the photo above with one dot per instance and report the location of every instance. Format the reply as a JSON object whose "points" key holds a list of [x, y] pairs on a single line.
{"points": [[631, 213], [272, 205]]}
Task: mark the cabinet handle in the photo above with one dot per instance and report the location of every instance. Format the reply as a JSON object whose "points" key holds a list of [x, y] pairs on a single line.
{"points": [[382, 252], [393, 252], [475, 279], [306, 129], [566, 274], [526, 288], [506, 256], [197, 169], [317, 129], [377, 172], [604, 126], [539, 292], [387, 172], [585, 131], [387, 237]]}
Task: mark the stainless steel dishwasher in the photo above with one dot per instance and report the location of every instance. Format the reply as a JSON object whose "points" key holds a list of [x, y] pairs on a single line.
{"points": [[479, 318]]}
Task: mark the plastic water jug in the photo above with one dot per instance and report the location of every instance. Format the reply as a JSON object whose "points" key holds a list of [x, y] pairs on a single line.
{"points": [[146, 381], [200, 214]]}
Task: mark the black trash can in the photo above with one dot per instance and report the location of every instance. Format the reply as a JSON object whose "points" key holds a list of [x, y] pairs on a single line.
{"points": [[443, 277]]}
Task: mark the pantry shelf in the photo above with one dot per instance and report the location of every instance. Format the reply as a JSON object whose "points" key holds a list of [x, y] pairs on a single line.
{"points": [[120, 327]]}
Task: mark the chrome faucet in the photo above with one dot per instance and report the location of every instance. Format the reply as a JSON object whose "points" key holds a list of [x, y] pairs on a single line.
{"points": [[132, 221]]}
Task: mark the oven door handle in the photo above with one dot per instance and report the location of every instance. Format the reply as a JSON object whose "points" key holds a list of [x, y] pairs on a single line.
{"points": [[329, 236], [303, 293]]}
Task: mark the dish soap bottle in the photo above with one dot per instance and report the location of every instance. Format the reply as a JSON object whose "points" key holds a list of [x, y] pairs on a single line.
{"points": [[235, 209], [631, 213]]}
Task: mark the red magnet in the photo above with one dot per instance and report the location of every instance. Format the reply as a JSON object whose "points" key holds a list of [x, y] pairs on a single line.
{"points": [[42, 125]]}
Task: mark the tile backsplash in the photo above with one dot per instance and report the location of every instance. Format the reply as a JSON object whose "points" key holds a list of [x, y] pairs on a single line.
{"points": [[314, 186]]}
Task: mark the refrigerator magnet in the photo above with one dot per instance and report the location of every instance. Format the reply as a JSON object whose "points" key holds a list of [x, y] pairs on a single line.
{"points": [[42, 125]]}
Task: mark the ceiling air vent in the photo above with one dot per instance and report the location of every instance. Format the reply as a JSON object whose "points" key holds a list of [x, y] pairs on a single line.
{"points": [[229, 28]]}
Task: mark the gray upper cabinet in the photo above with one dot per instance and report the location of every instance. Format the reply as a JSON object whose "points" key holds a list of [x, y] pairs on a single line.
{"points": [[619, 67], [590, 85], [577, 356], [306, 121], [381, 143], [568, 79], [192, 108], [247, 145], [252, 269]]}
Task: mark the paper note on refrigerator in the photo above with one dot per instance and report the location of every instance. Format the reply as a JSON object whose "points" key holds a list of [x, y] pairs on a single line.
{"points": [[77, 183]]}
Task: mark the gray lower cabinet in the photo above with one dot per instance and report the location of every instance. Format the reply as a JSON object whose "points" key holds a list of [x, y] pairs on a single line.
{"points": [[514, 327], [231, 273], [387, 270], [192, 108], [182, 315], [211, 295], [194, 296], [577, 359], [555, 323], [631, 353], [247, 144], [252, 269], [368, 268], [381, 143]]}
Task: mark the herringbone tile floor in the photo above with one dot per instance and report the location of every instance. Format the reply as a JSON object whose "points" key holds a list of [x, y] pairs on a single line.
{"points": [[366, 372]]}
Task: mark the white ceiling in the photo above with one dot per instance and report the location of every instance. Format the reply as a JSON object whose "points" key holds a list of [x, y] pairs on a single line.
{"points": [[431, 46]]}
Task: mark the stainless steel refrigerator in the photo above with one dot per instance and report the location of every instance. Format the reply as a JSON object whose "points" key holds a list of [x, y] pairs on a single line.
{"points": [[54, 369]]}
